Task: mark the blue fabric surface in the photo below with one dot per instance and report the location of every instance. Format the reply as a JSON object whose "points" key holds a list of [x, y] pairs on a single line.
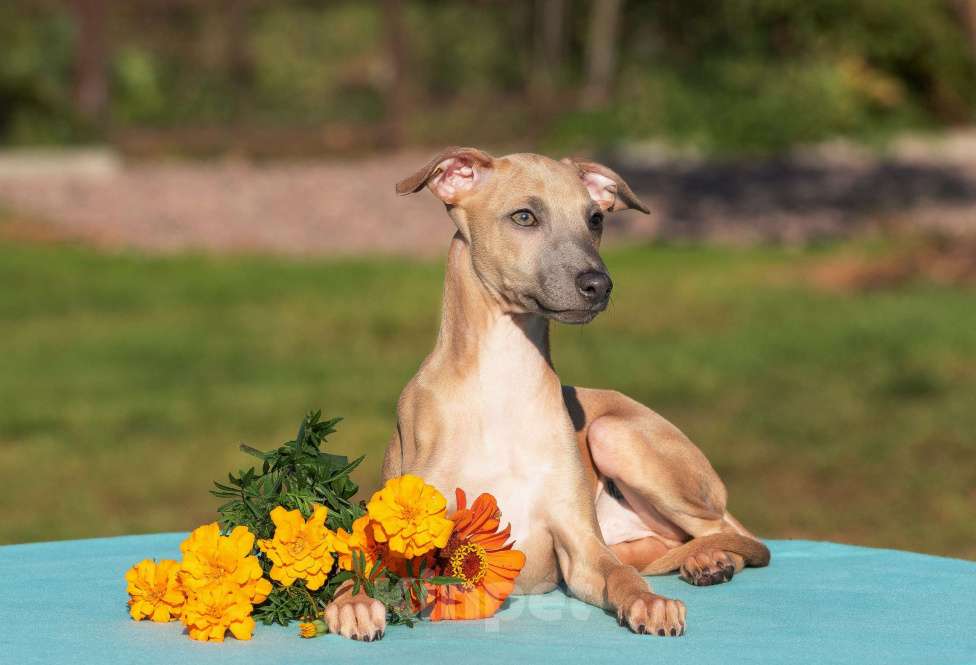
{"points": [[817, 603]]}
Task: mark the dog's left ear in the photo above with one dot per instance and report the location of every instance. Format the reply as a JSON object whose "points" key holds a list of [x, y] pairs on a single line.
{"points": [[450, 175], [606, 187]]}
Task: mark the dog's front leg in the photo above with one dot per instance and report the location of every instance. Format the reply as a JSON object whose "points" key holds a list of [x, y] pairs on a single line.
{"points": [[595, 575]]}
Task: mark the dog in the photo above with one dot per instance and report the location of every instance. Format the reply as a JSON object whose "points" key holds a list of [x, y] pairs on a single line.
{"points": [[599, 489]]}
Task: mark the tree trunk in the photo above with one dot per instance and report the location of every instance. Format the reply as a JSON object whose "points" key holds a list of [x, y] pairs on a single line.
{"points": [[601, 52], [240, 64], [967, 12], [91, 61], [396, 93], [549, 20]]}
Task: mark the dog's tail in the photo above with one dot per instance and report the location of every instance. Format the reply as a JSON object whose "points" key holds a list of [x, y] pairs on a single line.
{"points": [[755, 553]]}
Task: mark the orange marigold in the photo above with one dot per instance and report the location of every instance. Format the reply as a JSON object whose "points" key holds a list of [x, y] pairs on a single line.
{"points": [[478, 554], [410, 516], [300, 549], [210, 558], [361, 539], [213, 610], [155, 591]]}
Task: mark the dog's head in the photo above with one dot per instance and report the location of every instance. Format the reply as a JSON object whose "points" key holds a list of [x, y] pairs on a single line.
{"points": [[533, 226]]}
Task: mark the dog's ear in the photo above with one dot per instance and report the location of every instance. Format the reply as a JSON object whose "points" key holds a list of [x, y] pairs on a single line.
{"points": [[450, 175], [606, 187]]}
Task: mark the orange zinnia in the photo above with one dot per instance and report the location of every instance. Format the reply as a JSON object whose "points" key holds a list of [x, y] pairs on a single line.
{"points": [[478, 554]]}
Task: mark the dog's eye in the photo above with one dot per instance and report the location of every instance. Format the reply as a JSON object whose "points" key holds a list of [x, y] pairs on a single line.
{"points": [[596, 221], [524, 218]]}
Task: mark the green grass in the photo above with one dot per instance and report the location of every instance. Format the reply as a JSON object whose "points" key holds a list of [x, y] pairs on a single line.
{"points": [[127, 382]]}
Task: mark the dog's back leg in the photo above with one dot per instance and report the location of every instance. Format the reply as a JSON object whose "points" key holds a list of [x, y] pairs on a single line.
{"points": [[669, 484]]}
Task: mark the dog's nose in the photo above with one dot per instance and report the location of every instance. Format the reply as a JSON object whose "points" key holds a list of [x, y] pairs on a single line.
{"points": [[594, 286]]}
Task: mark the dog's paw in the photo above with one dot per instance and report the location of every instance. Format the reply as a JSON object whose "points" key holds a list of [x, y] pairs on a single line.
{"points": [[357, 617], [652, 614], [708, 568]]}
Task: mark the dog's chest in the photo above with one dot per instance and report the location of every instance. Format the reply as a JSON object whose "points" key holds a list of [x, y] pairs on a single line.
{"points": [[498, 424], [511, 432], [505, 459], [505, 453]]}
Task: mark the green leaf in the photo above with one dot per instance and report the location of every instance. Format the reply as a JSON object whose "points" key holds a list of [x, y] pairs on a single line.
{"points": [[443, 580], [254, 452]]}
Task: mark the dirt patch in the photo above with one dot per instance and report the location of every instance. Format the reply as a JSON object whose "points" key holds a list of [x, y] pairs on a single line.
{"points": [[349, 206], [941, 259], [300, 209], [19, 229]]}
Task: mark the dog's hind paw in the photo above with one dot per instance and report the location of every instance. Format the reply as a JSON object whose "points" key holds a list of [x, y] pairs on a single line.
{"points": [[651, 614], [357, 617], [708, 568]]}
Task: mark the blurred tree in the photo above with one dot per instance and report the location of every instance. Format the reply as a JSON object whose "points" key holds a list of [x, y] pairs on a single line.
{"points": [[742, 75], [967, 11], [601, 55], [240, 63], [548, 48], [394, 27], [91, 60]]}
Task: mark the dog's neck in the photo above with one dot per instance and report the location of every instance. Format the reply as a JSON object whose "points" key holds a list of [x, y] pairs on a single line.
{"points": [[476, 329]]}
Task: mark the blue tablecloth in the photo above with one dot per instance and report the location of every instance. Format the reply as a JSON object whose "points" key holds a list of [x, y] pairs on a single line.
{"points": [[817, 603]]}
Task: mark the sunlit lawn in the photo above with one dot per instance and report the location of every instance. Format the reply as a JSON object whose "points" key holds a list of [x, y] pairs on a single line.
{"points": [[127, 382]]}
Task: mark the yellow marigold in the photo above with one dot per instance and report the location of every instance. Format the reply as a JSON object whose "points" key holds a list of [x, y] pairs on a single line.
{"points": [[410, 516], [154, 590], [300, 549], [312, 628], [210, 558], [213, 610]]}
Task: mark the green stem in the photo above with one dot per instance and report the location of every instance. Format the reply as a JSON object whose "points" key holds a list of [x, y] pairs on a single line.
{"points": [[313, 603]]}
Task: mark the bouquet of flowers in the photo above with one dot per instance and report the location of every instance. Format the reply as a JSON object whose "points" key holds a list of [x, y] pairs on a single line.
{"points": [[290, 536]]}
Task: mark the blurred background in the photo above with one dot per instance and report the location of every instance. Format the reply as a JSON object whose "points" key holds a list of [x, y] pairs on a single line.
{"points": [[199, 240]]}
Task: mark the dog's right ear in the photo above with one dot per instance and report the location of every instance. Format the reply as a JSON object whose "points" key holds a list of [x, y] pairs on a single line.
{"points": [[450, 175]]}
